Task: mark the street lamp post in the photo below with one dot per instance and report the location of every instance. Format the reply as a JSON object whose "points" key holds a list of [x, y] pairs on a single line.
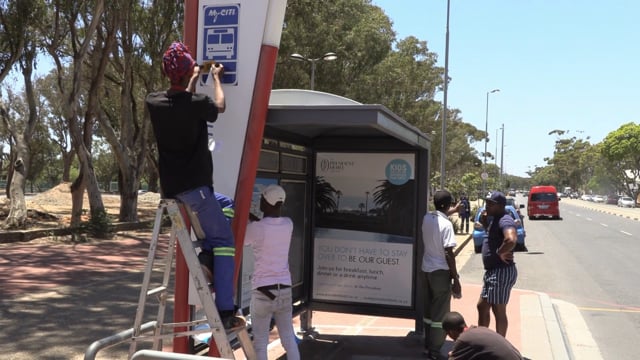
{"points": [[443, 147], [486, 140], [326, 57], [502, 158]]}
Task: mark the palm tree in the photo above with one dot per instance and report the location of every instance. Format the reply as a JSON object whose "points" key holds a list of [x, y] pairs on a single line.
{"points": [[396, 203], [324, 196]]}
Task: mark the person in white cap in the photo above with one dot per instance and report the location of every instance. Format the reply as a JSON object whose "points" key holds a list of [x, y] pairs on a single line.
{"points": [[271, 295]]}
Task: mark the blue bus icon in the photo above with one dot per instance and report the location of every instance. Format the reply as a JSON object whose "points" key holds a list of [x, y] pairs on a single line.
{"points": [[220, 40]]}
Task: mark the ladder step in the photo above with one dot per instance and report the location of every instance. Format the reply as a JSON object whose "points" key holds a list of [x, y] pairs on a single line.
{"points": [[159, 289]]}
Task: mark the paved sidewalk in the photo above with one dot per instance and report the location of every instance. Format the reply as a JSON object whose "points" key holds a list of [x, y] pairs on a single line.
{"points": [[535, 328], [56, 299]]}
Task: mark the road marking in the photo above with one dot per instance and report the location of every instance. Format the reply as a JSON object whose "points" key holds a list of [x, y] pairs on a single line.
{"points": [[605, 225], [578, 337], [609, 310], [589, 219], [626, 233]]}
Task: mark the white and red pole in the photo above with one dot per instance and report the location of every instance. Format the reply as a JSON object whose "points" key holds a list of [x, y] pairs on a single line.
{"points": [[239, 130]]}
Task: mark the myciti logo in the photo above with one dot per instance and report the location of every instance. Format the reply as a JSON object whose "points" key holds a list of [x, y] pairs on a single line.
{"points": [[227, 14]]}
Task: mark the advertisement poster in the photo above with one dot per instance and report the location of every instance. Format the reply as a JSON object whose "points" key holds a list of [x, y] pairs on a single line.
{"points": [[365, 229]]}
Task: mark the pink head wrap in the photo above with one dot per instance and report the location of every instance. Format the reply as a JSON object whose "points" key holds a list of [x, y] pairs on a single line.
{"points": [[177, 62]]}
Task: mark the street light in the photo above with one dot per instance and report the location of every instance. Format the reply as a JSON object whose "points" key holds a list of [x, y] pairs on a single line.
{"points": [[486, 140], [330, 56], [501, 157], [443, 147]]}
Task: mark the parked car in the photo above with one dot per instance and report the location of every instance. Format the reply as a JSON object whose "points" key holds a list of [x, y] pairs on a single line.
{"points": [[479, 233], [612, 199], [626, 201], [586, 197], [598, 198], [513, 202]]}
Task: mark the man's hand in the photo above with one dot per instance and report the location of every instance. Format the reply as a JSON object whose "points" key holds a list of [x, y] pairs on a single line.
{"points": [[217, 70], [456, 289], [506, 258], [484, 219]]}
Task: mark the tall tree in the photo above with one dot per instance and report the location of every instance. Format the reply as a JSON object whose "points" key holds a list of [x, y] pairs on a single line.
{"points": [[16, 21], [372, 67], [22, 125], [53, 117], [144, 33], [621, 149], [358, 32], [566, 159], [72, 27]]}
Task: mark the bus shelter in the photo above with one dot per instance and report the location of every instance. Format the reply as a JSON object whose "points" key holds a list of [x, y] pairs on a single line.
{"points": [[356, 181]]}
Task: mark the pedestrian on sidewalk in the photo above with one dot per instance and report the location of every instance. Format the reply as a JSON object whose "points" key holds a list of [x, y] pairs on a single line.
{"points": [[271, 295], [464, 212], [476, 343], [440, 278], [497, 257], [179, 117]]}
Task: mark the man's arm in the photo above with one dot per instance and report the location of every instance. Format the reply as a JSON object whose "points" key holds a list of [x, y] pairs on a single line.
{"points": [[456, 289], [510, 239], [218, 94], [191, 87], [454, 209]]}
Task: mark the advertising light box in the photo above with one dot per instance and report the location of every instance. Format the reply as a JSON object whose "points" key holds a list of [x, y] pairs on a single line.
{"points": [[365, 228]]}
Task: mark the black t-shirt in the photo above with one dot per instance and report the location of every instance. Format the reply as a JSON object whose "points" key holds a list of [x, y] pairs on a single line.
{"points": [[180, 125], [480, 343], [492, 243]]}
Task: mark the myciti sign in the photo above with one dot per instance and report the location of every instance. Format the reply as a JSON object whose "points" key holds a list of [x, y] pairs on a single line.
{"points": [[213, 14]]}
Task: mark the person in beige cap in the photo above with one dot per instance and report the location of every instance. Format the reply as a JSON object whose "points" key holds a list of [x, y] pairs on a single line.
{"points": [[271, 295]]}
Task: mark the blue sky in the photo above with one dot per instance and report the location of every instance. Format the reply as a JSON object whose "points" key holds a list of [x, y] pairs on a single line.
{"points": [[568, 65]]}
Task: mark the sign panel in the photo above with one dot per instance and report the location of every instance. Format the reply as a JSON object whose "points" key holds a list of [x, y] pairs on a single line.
{"points": [[364, 238], [220, 42], [230, 33]]}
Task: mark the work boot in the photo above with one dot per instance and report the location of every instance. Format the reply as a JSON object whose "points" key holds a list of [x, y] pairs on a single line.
{"points": [[231, 321]]}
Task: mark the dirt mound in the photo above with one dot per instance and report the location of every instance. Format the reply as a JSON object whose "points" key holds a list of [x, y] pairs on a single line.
{"points": [[57, 195]]}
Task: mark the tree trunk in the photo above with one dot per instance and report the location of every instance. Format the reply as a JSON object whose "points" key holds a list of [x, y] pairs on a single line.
{"points": [[129, 185], [21, 134], [18, 210], [86, 180], [67, 160]]}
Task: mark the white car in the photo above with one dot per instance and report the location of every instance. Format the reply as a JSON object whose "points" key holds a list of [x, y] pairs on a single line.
{"points": [[625, 201], [598, 198]]}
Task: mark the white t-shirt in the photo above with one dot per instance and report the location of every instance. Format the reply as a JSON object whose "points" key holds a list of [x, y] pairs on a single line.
{"points": [[270, 239], [437, 234]]}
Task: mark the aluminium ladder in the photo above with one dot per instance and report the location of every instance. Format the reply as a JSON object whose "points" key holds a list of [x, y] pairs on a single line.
{"points": [[180, 232]]}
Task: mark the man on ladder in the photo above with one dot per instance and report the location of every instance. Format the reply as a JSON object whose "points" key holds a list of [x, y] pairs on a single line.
{"points": [[179, 117]]}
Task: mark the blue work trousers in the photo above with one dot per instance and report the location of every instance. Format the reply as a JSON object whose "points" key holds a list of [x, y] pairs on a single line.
{"points": [[218, 239]]}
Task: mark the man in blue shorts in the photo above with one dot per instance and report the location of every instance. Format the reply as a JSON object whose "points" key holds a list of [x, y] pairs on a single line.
{"points": [[497, 256]]}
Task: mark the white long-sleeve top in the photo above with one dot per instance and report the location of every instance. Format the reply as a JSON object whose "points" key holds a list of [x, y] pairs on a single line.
{"points": [[270, 239]]}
